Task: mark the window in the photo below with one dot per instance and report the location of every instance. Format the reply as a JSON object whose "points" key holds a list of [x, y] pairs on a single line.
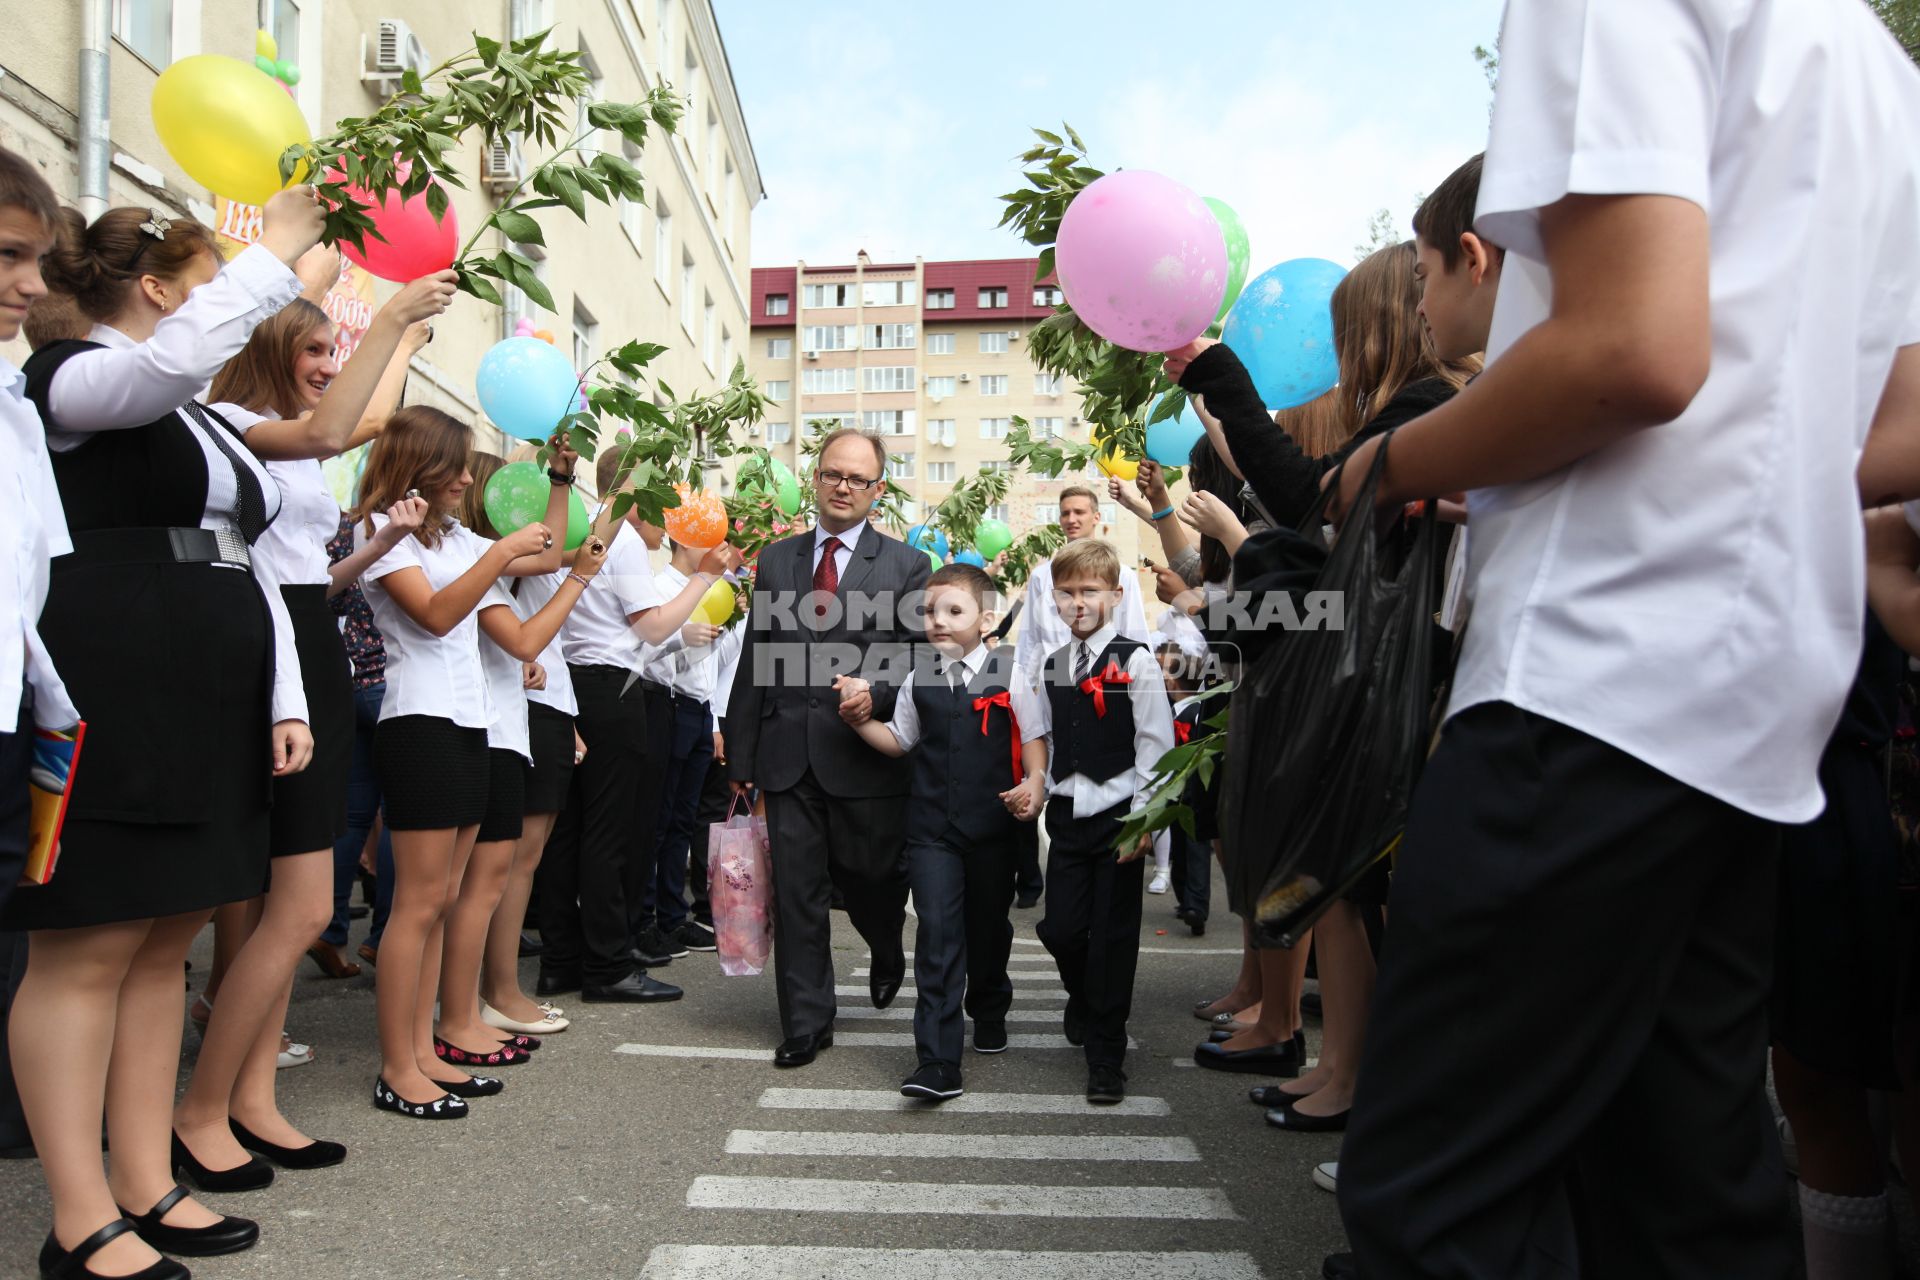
{"points": [[888, 378], [687, 301], [777, 303], [993, 299], [1049, 428], [993, 384], [710, 320], [993, 344], [781, 390], [998, 511], [940, 431], [1046, 295], [940, 388], [828, 337], [994, 428], [890, 337], [630, 221], [146, 27], [586, 337], [663, 19], [995, 468], [1109, 513], [1047, 384], [824, 422], [726, 201], [779, 348], [888, 422], [900, 467], [713, 150], [939, 344], [726, 352], [829, 295], [819, 382], [1046, 513], [939, 299], [909, 509], [888, 293], [941, 472], [779, 432], [285, 25], [663, 246], [595, 91]]}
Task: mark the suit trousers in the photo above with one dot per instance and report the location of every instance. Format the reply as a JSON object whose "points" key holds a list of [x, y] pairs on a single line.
{"points": [[1027, 877], [824, 842], [1192, 869], [962, 894], [1596, 938], [684, 780], [656, 703], [1092, 923]]}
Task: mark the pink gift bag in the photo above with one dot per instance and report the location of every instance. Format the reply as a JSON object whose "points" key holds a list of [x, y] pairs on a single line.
{"points": [[740, 888]]}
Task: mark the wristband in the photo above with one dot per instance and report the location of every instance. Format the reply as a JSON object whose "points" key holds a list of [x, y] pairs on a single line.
{"points": [[584, 583], [554, 477], [1161, 514]]}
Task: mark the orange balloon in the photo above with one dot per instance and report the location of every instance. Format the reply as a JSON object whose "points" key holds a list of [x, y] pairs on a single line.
{"points": [[545, 335], [700, 521]]}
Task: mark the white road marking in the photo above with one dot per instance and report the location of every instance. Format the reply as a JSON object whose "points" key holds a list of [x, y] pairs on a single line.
{"points": [[960, 1146], [908, 993], [796, 1262], [693, 1051], [829, 1195], [1050, 1017], [969, 1104], [904, 1040]]}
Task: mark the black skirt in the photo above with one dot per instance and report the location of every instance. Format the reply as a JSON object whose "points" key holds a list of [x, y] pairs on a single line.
{"points": [[310, 807], [551, 735], [433, 773], [171, 666], [506, 796]]}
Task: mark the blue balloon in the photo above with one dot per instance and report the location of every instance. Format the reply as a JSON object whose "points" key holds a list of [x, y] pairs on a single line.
{"points": [[526, 386], [972, 557], [1282, 330], [928, 540], [1170, 441]]}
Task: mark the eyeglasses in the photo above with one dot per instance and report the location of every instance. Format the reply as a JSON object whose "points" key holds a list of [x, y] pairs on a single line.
{"points": [[833, 480]]}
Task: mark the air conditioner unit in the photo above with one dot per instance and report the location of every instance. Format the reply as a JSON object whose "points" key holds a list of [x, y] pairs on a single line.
{"points": [[753, 430], [500, 164], [395, 50], [1013, 335], [966, 377], [1073, 422], [811, 355]]}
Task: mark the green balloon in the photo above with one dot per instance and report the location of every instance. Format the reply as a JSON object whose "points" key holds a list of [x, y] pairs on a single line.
{"points": [[991, 537], [578, 525], [264, 63], [516, 496], [786, 487], [1238, 253], [933, 559], [286, 71]]}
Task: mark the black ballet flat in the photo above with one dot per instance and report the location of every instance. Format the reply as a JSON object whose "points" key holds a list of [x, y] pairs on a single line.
{"points": [[444, 1107], [251, 1176], [71, 1264], [229, 1235], [317, 1154], [477, 1087]]}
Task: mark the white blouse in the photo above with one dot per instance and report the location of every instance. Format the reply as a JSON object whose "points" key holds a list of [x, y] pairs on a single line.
{"points": [[506, 682], [532, 597], [429, 675], [33, 528], [309, 517]]}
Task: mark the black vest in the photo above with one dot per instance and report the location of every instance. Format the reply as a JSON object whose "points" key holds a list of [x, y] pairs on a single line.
{"points": [[958, 771], [1084, 741]]}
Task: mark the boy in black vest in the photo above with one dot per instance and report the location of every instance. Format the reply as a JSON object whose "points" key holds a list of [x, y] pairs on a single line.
{"points": [[1110, 722], [980, 731]]}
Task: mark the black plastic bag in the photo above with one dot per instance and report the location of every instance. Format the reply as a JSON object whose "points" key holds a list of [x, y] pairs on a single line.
{"points": [[1330, 726]]}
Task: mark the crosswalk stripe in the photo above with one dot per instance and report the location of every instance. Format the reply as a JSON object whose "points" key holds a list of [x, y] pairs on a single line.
{"points": [[800, 1262], [1045, 971], [1009, 1104], [907, 993], [1019, 957], [1049, 1017], [960, 1146], [904, 1040], [1156, 951], [693, 1051], [831, 1195]]}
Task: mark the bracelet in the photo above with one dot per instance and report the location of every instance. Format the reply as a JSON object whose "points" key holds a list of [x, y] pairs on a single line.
{"points": [[1161, 514], [555, 477], [584, 583]]}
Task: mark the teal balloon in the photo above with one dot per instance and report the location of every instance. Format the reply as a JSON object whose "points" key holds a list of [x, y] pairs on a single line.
{"points": [[516, 496], [1282, 330], [265, 64], [991, 537], [931, 540], [1170, 441], [971, 557], [286, 71], [1239, 255], [526, 386]]}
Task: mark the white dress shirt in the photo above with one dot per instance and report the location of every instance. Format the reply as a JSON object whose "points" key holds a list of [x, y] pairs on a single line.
{"points": [[690, 672], [729, 664], [506, 678], [1028, 706], [1041, 628], [33, 529], [1692, 594], [1152, 732], [849, 539], [296, 542], [599, 631], [429, 675], [531, 598]]}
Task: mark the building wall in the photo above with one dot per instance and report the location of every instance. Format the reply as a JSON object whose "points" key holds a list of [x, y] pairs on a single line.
{"points": [[617, 276]]}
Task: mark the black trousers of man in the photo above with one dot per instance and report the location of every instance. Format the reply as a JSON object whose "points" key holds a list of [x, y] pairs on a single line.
{"points": [[824, 842], [643, 862], [1092, 923], [1565, 1069], [1028, 881], [962, 893]]}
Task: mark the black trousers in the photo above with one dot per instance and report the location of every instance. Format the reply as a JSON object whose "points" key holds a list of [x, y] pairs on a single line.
{"points": [[962, 893], [584, 874], [1027, 878], [1192, 870], [1092, 923], [1565, 1068], [821, 843], [643, 863]]}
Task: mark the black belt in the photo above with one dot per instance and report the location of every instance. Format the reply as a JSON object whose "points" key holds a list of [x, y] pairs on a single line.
{"points": [[165, 546], [613, 669]]}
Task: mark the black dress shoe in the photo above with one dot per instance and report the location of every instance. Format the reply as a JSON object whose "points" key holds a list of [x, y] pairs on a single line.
{"points": [[317, 1154], [251, 1176], [989, 1037], [1198, 925], [1027, 901], [229, 1235], [885, 976], [530, 945], [71, 1264], [635, 988], [1106, 1085], [1283, 1059], [1340, 1266], [555, 983], [801, 1050], [933, 1082]]}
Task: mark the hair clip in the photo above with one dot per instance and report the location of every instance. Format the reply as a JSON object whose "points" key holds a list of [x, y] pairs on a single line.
{"points": [[158, 225]]}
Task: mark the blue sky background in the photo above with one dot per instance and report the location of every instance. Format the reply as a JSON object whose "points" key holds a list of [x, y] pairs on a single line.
{"points": [[894, 126]]}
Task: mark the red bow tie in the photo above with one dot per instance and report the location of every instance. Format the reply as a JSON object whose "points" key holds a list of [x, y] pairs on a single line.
{"points": [[985, 707], [1097, 686], [1182, 731]]}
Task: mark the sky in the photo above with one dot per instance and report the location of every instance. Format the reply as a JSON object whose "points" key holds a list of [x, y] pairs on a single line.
{"points": [[893, 127]]}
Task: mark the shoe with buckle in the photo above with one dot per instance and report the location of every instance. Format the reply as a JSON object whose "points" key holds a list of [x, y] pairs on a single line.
{"points": [[228, 1235], [549, 1025], [71, 1264], [444, 1107]]}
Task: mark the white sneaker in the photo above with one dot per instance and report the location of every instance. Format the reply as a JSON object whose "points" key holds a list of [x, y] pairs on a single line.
{"points": [[1327, 1176], [1160, 883], [292, 1053]]}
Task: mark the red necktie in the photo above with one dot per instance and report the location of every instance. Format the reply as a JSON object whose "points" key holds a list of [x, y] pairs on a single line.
{"points": [[826, 576], [1182, 731], [985, 707]]}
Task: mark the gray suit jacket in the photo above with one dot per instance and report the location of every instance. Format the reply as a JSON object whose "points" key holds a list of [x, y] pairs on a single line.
{"points": [[783, 716]]}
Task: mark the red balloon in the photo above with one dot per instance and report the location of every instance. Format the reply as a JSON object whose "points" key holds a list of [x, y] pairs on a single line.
{"points": [[415, 244]]}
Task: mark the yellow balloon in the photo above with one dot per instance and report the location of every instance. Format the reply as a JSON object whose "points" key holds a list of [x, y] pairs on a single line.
{"points": [[1114, 465], [265, 46], [716, 606], [227, 125]]}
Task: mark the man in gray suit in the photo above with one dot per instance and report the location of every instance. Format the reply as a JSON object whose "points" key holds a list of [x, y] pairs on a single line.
{"points": [[841, 599]]}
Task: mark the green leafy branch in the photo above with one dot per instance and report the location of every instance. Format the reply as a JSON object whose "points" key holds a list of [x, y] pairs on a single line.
{"points": [[1045, 457], [1015, 564], [1196, 759], [667, 445], [961, 511]]}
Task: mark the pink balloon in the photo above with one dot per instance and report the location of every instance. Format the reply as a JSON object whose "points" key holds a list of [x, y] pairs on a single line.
{"points": [[1142, 260], [415, 244]]}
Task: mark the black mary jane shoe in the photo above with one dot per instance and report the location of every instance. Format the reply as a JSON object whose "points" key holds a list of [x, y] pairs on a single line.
{"points": [[318, 1154], [229, 1235], [477, 1087], [251, 1176], [444, 1107], [71, 1264]]}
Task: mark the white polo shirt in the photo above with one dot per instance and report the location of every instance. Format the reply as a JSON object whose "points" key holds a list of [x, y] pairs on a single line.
{"points": [[1693, 594], [597, 632], [429, 675]]}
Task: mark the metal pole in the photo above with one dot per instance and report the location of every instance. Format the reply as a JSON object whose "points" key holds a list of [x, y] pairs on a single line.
{"points": [[96, 148]]}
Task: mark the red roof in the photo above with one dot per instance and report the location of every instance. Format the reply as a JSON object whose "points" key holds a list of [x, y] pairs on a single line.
{"points": [[768, 280], [965, 278]]}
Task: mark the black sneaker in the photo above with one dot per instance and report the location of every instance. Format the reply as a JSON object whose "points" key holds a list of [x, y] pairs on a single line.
{"points": [[934, 1082], [651, 939], [694, 938], [1106, 1085], [990, 1037]]}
